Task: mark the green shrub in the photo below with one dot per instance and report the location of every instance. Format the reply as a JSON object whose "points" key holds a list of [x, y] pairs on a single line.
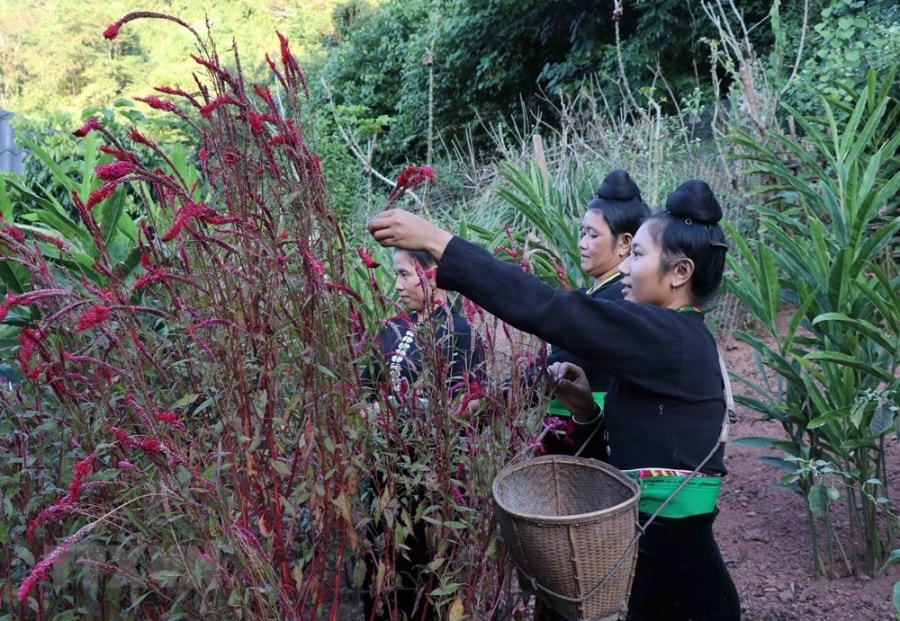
{"points": [[824, 251]]}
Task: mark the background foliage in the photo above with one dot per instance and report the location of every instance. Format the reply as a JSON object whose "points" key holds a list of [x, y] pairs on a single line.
{"points": [[521, 110]]}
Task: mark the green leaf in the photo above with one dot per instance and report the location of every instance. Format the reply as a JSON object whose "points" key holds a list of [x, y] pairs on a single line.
{"points": [[754, 442], [781, 464], [818, 500], [186, 400], [882, 421], [851, 361], [447, 589]]}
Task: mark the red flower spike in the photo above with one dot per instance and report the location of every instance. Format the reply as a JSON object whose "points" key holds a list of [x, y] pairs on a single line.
{"points": [[150, 445], [92, 317], [208, 109], [114, 171], [91, 124], [122, 436], [409, 179], [101, 194], [112, 31], [43, 567], [82, 469], [264, 94], [158, 104], [190, 210], [125, 156], [366, 255], [14, 233], [140, 138]]}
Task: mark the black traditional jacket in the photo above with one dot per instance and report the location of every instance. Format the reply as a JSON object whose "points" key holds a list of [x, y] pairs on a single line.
{"points": [[666, 405]]}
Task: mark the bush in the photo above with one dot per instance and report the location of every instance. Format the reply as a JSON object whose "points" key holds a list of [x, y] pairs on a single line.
{"points": [[187, 435], [825, 247]]}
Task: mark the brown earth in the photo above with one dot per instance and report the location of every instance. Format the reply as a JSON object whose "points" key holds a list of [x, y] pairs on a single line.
{"points": [[765, 536]]}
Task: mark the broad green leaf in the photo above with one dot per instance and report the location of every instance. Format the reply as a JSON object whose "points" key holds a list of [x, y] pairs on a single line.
{"points": [[781, 464], [817, 498], [847, 359], [882, 421], [754, 441]]}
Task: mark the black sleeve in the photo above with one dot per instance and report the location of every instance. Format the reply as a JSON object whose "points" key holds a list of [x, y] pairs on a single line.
{"points": [[614, 335]]}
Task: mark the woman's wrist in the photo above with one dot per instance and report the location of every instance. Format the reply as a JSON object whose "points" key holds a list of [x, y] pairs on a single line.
{"points": [[589, 417], [438, 241]]}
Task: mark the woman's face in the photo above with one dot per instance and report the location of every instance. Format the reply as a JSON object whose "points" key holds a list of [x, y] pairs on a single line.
{"points": [[643, 280], [413, 289], [601, 253]]}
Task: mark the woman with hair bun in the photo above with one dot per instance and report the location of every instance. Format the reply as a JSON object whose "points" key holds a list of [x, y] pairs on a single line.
{"points": [[607, 228], [664, 411]]}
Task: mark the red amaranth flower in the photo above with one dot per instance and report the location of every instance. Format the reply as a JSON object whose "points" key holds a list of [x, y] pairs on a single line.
{"points": [[409, 179], [16, 234], [82, 469], [112, 31], [256, 123], [208, 109], [157, 274], [42, 569], [29, 340], [54, 513], [158, 104], [188, 211], [366, 255], [170, 418], [140, 138], [121, 436], [92, 317], [91, 124], [119, 154], [8, 302], [114, 170], [264, 94], [101, 194], [150, 445]]}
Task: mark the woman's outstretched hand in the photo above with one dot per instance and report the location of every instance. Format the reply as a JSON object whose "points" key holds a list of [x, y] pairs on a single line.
{"points": [[401, 229], [573, 389]]}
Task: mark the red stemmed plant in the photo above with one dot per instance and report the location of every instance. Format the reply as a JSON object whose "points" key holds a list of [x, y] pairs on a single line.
{"points": [[211, 453]]}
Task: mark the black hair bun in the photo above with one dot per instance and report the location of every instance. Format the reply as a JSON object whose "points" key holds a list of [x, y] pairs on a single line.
{"points": [[694, 199], [618, 186]]}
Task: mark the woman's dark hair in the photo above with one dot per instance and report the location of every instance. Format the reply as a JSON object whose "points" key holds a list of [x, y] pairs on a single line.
{"points": [[689, 227], [619, 201], [419, 257]]}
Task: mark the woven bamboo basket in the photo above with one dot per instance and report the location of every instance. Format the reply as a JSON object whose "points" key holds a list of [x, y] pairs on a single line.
{"points": [[571, 527]]}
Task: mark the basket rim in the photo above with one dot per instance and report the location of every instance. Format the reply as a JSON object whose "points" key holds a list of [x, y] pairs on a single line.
{"points": [[574, 518]]}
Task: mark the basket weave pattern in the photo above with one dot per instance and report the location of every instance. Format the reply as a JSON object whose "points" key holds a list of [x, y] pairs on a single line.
{"points": [[570, 525]]}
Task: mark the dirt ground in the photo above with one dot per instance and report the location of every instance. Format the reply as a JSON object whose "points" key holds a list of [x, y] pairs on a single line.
{"points": [[765, 538]]}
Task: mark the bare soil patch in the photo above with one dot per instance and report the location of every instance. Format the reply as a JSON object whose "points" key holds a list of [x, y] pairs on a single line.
{"points": [[764, 535]]}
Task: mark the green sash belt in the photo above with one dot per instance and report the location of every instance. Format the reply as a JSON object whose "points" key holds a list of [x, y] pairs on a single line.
{"points": [[555, 407], [698, 496]]}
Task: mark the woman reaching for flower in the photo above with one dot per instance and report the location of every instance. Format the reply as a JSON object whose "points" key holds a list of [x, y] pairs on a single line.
{"points": [[666, 406]]}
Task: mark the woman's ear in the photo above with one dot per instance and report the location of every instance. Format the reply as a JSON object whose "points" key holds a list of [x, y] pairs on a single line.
{"points": [[681, 272], [623, 243]]}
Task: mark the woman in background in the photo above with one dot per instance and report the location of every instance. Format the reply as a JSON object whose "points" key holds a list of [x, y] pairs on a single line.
{"points": [[666, 407], [607, 228], [427, 335]]}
